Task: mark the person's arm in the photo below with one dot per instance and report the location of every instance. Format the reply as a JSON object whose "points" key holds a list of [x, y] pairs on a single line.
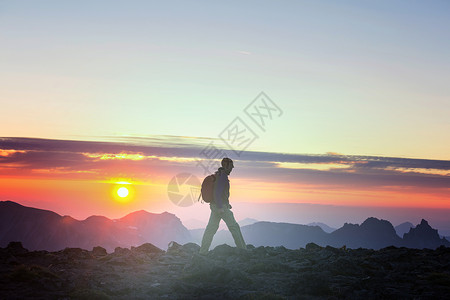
{"points": [[218, 192]]}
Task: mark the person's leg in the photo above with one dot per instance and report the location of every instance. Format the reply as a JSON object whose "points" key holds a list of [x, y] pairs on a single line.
{"points": [[211, 229], [234, 228]]}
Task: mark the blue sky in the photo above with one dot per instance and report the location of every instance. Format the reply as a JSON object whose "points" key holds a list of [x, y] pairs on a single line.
{"points": [[353, 77]]}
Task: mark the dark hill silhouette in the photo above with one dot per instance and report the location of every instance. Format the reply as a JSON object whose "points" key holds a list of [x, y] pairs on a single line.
{"points": [[292, 236], [39, 229], [151, 226], [45, 230], [403, 228], [423, 236], [324, 226], [372, 233], [247, 221]]}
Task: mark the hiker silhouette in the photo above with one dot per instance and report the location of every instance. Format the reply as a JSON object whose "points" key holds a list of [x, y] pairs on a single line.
{"points": [[221, 209]]}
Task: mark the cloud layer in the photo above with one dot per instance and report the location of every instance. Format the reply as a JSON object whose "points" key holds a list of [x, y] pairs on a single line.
{"points": [[134, 158]]}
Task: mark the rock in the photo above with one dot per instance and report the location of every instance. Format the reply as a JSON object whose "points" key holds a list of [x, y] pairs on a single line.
{"points": [[222, 251], [16, 248], [121, 251], [173, 247], [312, 247], [99, 251], [147, 248], [76, 253], [227, 272], [190, 247]]}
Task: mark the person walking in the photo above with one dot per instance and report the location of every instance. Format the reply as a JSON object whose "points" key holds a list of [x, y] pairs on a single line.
{"points": [[221, 209]]}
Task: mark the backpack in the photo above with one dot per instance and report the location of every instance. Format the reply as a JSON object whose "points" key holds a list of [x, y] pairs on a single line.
{"points": [[207, 191]]}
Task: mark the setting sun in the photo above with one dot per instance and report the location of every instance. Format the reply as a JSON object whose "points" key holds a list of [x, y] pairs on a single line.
{"points": [[122, 192]]}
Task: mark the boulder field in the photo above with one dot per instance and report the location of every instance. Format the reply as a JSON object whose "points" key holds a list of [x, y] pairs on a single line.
{"points": [[147, 272]]}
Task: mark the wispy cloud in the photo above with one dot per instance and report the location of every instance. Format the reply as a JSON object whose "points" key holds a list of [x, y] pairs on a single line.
{"points": [[244, 52]]}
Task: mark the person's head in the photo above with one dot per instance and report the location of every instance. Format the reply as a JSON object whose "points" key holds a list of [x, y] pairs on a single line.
{"points": [[227, 164]]}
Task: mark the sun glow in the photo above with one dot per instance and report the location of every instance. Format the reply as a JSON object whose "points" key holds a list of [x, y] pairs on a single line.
{"points": [[122, 192]]}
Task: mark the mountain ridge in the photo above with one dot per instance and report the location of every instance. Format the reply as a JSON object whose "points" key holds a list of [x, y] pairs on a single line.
{"points": [[41, 229], [46, 230], [372, 233]]}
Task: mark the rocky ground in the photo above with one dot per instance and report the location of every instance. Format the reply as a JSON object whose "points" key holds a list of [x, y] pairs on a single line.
{"points": [[146, 272]]}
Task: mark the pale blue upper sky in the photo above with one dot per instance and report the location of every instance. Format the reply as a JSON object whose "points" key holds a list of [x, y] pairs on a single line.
{"points": [[354, 77]]}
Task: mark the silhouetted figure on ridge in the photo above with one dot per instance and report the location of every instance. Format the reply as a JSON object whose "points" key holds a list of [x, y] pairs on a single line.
{"points": [[220, 209]]}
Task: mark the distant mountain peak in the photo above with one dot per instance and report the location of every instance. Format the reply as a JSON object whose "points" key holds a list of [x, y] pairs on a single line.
{"points": [[424, 236], [373, 220], [403, 228], [324, 226], [9, 203], [40, 229], [139, 214], [145, 214], [247, 221], [424, 223]]}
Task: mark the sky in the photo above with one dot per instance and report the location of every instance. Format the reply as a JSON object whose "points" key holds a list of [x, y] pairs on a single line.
{"points": [[345, 104]]}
